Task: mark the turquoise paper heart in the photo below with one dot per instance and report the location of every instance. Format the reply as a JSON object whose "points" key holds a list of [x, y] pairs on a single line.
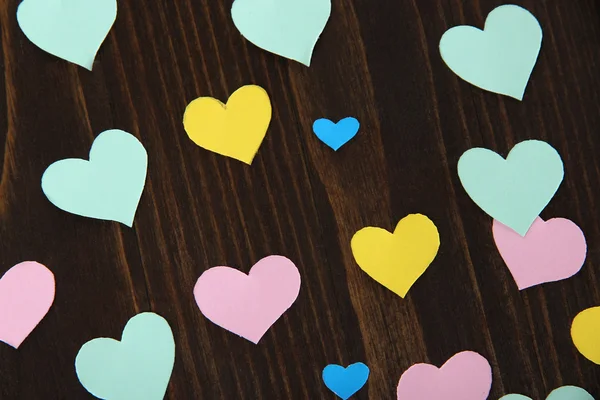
{"points": [[344, 382], [516, 190], [501, 57], [562, 393], [335, 135], [70, 29], [108, 187], [136, 368], [289, 28]]}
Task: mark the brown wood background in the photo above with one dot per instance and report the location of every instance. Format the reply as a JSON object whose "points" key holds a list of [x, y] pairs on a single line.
{"points": [[377, 60]]}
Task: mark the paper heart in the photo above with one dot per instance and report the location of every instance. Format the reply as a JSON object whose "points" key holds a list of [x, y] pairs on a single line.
{"points": [[136, 368], [235, 129], [288, 28], [336, 135], [584, 332], [26, 294], [69, 29], [344, 382], [549, 252], [516, 190], [500, 58], [397, 260], [108, 186], [562, 393], [248, 305], [465, 376]]}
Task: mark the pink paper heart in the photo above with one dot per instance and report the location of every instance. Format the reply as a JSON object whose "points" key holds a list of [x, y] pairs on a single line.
{"points": [[26, 294], [465, 376], [248, 305], [550, 251]]}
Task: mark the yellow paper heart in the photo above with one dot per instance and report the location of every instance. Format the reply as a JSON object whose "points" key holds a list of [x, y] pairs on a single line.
{"points": [[235, 129], [585, 333], [397, 260]]}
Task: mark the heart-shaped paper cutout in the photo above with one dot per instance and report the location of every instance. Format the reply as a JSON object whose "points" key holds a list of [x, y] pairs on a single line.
{"points": [[69, 29], [549, 252], [248, 305], [108, 186], [235, 129], [336, 135], [465, 376], [136, 368], [344, 382], [584, 332], [514, 190], [397, 260], [288, 28], [26, 294], [562, 393], [500, 58]]}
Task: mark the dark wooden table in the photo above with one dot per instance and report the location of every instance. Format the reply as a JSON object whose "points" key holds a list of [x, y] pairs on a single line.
{"points": [[377, 61]]}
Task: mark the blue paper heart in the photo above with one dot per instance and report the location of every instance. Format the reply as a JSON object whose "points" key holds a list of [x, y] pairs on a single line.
{"points": [[344, 382], [336, 135]]}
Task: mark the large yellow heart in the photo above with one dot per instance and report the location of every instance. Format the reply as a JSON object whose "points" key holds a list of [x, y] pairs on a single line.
{"points": [[397, 260], [585, 332], [235, 129]]}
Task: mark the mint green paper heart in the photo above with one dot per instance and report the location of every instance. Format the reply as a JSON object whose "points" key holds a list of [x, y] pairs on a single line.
{"points": [[289, 28], [69, 29], [108, 187], [136, 368], [516, 190], [500, 58], [562, 393]]}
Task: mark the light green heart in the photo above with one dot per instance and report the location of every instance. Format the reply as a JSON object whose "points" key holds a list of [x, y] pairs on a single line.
{"points": [[136, 368], [516, 190], [289, 28], [70, 29], [562, 393], [500, 58], [108, 186]]}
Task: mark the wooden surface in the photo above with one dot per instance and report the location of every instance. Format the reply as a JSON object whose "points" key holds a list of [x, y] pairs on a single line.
{"points": [[376, 60]]}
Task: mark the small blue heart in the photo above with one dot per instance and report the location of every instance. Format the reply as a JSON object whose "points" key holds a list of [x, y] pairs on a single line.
{"points": [[336, 135], [344, 382]]}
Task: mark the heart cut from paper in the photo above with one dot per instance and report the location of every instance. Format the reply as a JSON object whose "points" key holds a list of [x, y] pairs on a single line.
{"points": [[288, 28], [344, 382], [69, 29], [335, 135], [248, 305], [465, 376], [562, 393], [550, 251], [584, 332], [108, 186], [235, 129], [26, 294], [136, 368], [514, 190], [396, 260], [500, 58]]}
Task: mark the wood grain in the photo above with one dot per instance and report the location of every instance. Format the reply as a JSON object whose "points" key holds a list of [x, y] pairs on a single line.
{"points": [[377, 61]]}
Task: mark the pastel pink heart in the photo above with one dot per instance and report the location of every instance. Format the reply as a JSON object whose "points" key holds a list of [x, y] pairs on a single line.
{"points": [[248, 305], [550, 251], [465, 376], [26, 294]]}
